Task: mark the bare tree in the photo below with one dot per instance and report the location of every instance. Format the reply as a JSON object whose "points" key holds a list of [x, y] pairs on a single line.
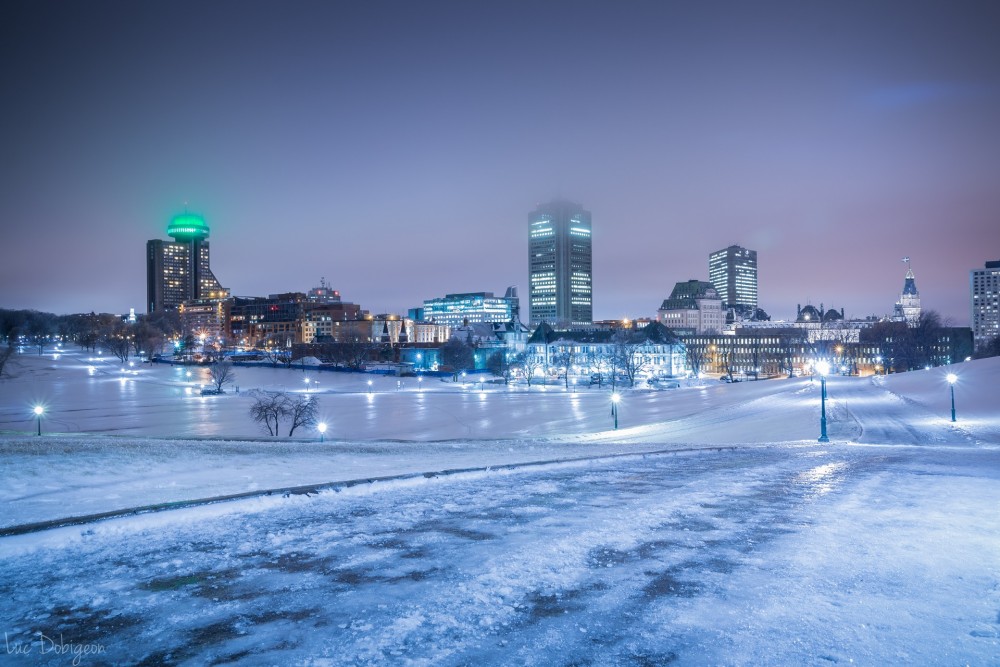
{"points": [[221, 373], [991, 348], [529, 365], [274, 352], [5, 354], [267, 409], [118, 341], [355, 353], [40, 327], [500, 366], [302, 410], [564, 361], [147, 339], [628, 355], [697, 357], [270, 408], [729, 357], [458, 355], [600, 365]]}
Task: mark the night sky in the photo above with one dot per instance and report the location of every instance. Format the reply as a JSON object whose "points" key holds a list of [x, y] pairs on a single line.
{"points": [[396, 149]]}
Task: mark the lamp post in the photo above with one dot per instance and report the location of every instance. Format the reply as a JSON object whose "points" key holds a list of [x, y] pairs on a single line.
{"points": [[615, 398], [369, 387], [822, 367], [39, 410], [321, 427], [952, 379]]}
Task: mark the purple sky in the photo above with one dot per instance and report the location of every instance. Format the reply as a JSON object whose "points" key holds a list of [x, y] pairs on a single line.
{"points": [[397, 148]]}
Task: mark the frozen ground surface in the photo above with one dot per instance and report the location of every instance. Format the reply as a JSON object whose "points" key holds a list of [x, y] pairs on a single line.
{"points": [[880, 547]]}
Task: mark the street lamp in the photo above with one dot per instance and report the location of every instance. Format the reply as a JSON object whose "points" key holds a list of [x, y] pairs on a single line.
{"points": [[420, 382], [369, 386], [822, 367], [615, 398], [952, 379], [321, 427], [39, 410]]}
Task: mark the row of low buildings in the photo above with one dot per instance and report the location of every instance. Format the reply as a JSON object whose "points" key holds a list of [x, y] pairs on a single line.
{"points": [[715, 326]]}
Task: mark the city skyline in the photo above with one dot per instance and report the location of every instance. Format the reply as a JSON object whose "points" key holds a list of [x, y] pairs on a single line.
{"points": [[396, 149]]}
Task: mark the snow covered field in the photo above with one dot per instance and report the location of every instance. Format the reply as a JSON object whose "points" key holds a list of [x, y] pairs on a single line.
{"points": [[710, 528]]}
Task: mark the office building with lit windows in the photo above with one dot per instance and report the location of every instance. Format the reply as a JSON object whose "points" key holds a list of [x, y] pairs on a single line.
{"points": [[733, 272], [456, 310], [984, 286], [179, 270], [560, 265]]}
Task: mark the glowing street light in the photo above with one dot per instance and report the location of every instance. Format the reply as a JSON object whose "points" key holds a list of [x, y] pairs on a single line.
{"points": [[321, 427], [306, 380], [952, 379], [822, 367], [420, 382], [615, 398], [39, 411], [369, 386]]}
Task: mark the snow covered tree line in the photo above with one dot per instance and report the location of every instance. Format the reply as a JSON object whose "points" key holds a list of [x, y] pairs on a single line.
{"points": [[146, 336]]}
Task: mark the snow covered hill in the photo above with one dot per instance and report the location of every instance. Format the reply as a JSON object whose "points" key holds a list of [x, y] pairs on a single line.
{"points": [[710, 528]]}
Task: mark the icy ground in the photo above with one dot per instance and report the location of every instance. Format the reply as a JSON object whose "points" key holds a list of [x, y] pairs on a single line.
{"points": [[739, 541]]}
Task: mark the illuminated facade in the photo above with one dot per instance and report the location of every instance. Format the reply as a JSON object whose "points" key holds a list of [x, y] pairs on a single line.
{"points": [[560, 266], [907, 309], [179, 270], [984, 285], [455, 310], [733, 272], [694, 307]]}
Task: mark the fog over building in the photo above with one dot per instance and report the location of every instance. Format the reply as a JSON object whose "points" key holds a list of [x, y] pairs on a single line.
{"points": [[560, 265]]}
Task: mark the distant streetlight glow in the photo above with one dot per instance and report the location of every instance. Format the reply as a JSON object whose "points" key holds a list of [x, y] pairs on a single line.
{"points": [[369, 386], [823, 368], [39, 411], [321, 427], [615, 398], [952, 379]]}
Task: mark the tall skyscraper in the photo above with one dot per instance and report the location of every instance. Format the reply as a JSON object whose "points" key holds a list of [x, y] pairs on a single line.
{"points": [[560, 265], [178, 270], [984, 287], [733, 272]]}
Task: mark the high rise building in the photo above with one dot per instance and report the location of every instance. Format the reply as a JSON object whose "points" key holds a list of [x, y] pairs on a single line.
{"points": [[984, 287], [733, 272], [179, 270], [560, 265]]}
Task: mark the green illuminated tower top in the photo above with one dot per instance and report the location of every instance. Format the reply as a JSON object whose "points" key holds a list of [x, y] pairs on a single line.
{"points": [[188, 227]]}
